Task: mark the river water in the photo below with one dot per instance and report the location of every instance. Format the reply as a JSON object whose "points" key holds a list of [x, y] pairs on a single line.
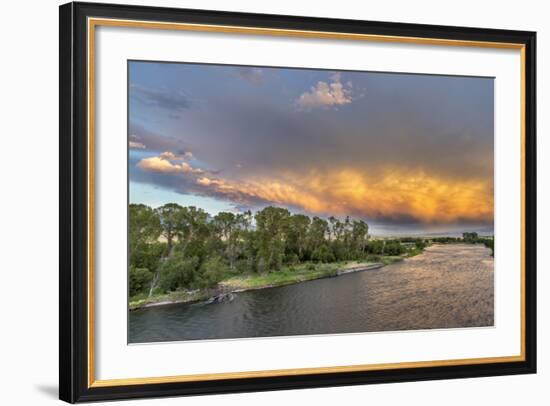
{"points": [[447, 286]]}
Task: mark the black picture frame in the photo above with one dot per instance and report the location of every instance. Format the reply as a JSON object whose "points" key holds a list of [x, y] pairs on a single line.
{"points": [[74, 199]]}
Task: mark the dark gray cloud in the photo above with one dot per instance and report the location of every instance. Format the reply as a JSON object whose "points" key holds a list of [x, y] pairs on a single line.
{"points": [[285, 139], [156, 142], [173, 100]]}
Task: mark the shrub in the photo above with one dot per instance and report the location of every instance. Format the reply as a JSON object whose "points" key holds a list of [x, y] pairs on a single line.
{"points": [[139, 280], [260, 267], [373, 258], [393, 248], [292, 259], [376, 247], [420, 244], [147, 255], [322, 254], [276, 261], [243, 266], [490, 243], [178, 272], [211, 272]]}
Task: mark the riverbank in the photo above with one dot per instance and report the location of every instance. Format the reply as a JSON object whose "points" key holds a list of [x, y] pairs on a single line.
{"points": [[286, 276]]}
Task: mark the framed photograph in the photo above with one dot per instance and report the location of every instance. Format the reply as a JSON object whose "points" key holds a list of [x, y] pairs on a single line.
{"points": [[257, 202]]}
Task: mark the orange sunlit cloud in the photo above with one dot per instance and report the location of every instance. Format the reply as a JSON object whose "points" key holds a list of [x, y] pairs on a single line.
{"points": [[165, 163], [392, 194]]}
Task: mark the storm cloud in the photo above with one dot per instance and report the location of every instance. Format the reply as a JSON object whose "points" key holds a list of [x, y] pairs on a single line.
{"points": [[390, 148], [171, 99]]}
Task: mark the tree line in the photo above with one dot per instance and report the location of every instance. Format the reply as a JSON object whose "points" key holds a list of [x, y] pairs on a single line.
{"points": [[469, 238], [173, 247], [474, 238]]}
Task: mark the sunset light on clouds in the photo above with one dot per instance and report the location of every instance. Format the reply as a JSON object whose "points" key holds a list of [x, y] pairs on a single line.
{"points": [[392, 149]]}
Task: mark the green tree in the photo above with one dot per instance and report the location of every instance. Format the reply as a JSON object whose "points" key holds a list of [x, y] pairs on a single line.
{"points": [[348, 240], [144, 226], [359, 238], [317, 232], [230, 228], [144, 249], [470, 237], [336, 233], [271, 231], [147, 255], [249, 250], [191, 224], [169, 216], [298, 227]]}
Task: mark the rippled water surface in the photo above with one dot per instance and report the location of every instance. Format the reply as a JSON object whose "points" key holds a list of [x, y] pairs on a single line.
{"points": [[447, 286]]}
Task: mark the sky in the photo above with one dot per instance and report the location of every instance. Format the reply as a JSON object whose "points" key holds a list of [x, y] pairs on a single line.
{"points": [[407, 153]]}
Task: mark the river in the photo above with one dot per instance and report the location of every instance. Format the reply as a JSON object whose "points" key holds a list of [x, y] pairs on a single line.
{"points": [[447, 286]]}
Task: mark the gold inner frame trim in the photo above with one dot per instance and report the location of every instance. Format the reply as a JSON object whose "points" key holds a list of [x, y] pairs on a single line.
{"points": [[94, 22]]}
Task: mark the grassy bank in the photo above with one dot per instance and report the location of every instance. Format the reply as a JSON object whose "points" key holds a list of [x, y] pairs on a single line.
{"points": [[288, 275]]}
